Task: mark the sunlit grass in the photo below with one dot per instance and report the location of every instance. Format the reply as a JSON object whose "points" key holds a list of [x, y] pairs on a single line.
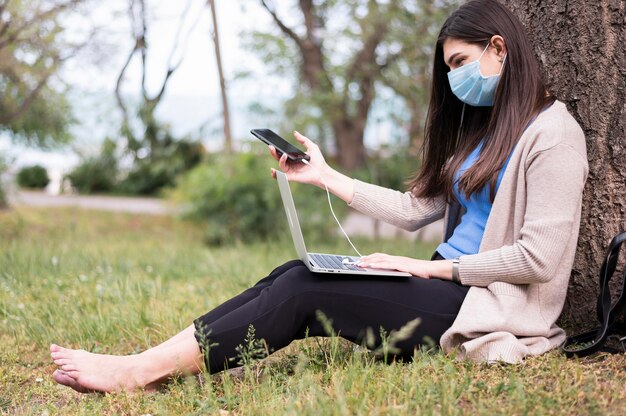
{"points": [[118, 284]]}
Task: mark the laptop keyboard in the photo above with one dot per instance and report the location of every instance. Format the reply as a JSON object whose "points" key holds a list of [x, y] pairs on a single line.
{"points": [[330, 261]]}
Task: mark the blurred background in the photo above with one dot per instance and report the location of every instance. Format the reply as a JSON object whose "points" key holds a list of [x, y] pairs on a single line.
{"points": [[156, 98]]}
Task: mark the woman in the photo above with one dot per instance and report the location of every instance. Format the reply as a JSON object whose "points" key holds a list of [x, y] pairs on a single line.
{"points": [[504, 164]]}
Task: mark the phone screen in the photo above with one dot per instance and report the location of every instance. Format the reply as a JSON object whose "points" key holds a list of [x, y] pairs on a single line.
{"points": [[282, 146]]}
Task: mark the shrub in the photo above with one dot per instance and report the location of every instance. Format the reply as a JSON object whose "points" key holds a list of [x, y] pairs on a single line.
{"points": [[33, 177], [94, 175], [161, 167], [3, 196], [98, 173], [238, 200], [390, 168]]}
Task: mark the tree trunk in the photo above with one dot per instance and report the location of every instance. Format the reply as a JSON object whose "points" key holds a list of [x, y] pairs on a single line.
{"points": [[228, 140], [580, 46], [349, 138]]}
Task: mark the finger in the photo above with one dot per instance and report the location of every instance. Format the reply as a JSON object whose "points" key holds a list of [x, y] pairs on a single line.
{"points": [[303, 139], [273, 152], [384, 265], [273, 173], [373, 257], [372, 266], [282, 163]]}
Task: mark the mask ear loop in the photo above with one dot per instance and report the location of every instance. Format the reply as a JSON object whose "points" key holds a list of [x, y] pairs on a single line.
{"points": [[501, 66], [506, 55], [484, 50]]}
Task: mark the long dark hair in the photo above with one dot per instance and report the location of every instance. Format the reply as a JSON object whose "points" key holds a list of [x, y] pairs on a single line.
{"points": [[520, 95]]}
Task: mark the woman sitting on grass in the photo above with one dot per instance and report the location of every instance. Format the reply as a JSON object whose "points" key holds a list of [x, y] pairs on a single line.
{"points": [[504, 164]]}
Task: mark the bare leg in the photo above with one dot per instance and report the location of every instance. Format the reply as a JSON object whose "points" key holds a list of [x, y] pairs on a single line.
{"points": [[86, 372]]}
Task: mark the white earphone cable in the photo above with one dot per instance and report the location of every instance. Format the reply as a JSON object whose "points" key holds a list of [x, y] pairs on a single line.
{"points": [[330, 204]]}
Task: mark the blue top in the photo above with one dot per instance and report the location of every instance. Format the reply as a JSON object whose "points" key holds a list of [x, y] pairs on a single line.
{"points": [[468, 235]]}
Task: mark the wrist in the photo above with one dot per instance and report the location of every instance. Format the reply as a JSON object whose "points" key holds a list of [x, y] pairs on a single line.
{"points": [[455, 271], [338, 183]]}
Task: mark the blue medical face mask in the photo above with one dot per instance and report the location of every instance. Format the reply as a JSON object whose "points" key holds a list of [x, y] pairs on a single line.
{"points": [[471, 87]]}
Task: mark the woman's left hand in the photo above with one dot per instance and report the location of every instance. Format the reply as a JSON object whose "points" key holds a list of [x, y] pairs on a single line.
{"points": [[419, 268]]}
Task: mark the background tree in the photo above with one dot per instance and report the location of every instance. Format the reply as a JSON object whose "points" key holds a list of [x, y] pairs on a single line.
{"points": [[144, 132], [33, 47], [158, 156], [580, 45], [411, 42], [342, 88]]}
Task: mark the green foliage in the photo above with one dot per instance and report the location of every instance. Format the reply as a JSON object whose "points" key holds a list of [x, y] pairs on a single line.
{"points": [[411, 44], [33, 177], [96, 174], [390, 167], [234, 196], [3, 196], [251, 351], [33, 47], [147, 176], [238, 200], [167, 159]]}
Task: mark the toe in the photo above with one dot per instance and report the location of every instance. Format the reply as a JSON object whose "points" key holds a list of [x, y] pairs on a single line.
{"points": [[57, 351], [61, 361], [61, 377], [68, 367], [65, 379]]}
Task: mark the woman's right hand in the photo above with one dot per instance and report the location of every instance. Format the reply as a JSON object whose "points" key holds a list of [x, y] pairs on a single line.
{"points": [[298, 171]]}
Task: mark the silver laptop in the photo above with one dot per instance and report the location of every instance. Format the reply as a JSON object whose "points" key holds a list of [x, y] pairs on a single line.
{"points": [[318, 262]]}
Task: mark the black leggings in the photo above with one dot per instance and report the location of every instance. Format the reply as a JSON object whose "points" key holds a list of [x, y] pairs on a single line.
{"points": [[283, 307]]}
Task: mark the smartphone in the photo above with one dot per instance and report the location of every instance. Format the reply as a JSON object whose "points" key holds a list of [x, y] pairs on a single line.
{"points": [[268, 137]]}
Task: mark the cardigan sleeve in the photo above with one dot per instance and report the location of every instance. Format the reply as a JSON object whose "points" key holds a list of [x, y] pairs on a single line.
{"points": [[403, 210], [555, 179]]}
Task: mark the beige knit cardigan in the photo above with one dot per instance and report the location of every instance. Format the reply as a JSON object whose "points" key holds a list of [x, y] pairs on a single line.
{"points": [[520, 276]]}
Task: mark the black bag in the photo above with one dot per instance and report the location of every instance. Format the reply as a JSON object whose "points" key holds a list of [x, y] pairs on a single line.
{"points": [[612, 317]]}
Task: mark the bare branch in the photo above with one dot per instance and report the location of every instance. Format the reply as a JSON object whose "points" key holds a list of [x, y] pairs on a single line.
{"points": [[179, 31], [283, 27], [173, 67], [142, 46], [118, 84]]}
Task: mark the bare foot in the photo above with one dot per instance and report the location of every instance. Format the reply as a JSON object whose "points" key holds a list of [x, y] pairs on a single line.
{"points": [[63, 378], [88, 372]]}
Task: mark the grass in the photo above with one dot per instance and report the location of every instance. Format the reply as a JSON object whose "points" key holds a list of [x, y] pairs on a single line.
{"points": [[117, 283]]}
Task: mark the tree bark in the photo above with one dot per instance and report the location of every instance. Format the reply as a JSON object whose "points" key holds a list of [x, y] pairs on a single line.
{"points": [[580, 46]]}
